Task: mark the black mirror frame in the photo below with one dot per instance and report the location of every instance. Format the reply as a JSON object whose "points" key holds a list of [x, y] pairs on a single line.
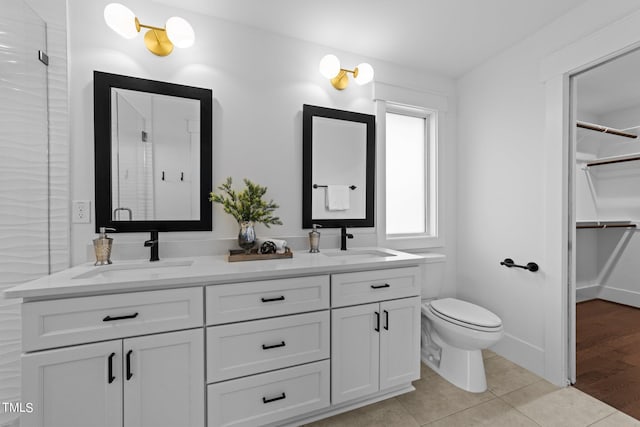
{"points": [[308, 112], [102, 84]]}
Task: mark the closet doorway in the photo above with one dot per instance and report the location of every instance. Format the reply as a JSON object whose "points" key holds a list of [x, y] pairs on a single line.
{"points": [[606, 220]]}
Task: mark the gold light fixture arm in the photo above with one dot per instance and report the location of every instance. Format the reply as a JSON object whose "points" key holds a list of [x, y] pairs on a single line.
{"points": [[155, 39], [341, 81]]}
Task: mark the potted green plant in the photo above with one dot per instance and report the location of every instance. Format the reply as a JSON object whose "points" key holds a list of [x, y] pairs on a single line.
{"points": [[248, 208]]}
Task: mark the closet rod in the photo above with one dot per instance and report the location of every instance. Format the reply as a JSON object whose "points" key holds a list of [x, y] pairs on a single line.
{"points": [[606, 226], [613, 160], [605, 129]]}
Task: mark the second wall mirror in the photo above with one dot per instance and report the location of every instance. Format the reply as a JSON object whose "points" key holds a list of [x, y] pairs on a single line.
{"points": [[338, 176]]}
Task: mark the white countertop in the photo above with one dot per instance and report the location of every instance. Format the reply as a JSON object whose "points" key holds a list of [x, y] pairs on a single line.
{"points": [[126, 276]]}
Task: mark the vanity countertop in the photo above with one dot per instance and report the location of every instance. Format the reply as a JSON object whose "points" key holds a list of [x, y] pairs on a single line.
{"points": [[137, 275]]}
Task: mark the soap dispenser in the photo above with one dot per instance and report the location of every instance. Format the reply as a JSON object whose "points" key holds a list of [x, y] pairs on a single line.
{"points": [[102, 246], [314, 239]]}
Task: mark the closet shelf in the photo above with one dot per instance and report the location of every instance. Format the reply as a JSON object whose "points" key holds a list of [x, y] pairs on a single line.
{"points": [[604, 129], [605, 224], [614, 159]]}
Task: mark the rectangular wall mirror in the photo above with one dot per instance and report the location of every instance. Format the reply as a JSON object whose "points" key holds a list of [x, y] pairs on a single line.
{"points": [[152, 154], [338, 168]]}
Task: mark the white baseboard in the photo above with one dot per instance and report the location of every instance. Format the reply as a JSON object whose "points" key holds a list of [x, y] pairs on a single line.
{"points": [[621, 296], [608, 293], [522, 353], [587, 293]]}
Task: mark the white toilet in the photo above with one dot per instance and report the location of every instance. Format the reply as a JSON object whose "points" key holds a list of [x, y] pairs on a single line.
{"points": [[453, 334]]}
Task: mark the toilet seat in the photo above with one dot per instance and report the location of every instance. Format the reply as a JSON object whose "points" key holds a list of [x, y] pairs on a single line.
{"points": [[465, 314]]}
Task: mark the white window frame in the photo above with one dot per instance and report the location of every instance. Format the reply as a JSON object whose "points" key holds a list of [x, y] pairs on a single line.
{"points": [[434, 236]]}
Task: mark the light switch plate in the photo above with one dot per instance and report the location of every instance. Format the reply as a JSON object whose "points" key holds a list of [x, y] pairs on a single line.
{"points": [[81, 212]]}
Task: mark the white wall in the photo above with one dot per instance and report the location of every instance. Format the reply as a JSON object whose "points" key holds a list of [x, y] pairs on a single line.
{"points": [[503, 198], [260, 82]]}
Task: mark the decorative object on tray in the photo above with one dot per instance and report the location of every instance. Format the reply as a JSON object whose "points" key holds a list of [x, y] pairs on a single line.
{"points": [[248, 208], [255, 254]]}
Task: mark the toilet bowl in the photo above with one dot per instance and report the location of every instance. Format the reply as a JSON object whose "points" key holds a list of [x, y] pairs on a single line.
{"points": [[454, 333]]}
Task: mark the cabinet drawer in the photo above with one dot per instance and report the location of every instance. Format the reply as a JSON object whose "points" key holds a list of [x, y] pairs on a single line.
{"points": [[271, 397], [266, 298], [247, 348], [56, 323], [377, 285]]}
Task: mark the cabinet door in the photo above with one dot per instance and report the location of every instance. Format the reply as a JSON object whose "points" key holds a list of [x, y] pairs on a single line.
{"points": [[164, 380], [74, 387], [399, 342], [355, 352]]}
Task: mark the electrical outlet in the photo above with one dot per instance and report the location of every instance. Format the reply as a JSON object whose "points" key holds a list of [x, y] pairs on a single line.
{"points": [[81, 212]]}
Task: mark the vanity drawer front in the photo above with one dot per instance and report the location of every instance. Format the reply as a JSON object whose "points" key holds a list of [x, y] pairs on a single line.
{"points": [[266, 298], [56, 323], [271, 397], [377, 285], [248, 348]]}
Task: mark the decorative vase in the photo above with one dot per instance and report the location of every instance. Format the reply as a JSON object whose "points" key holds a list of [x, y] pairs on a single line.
{"points": [[246, 236]]}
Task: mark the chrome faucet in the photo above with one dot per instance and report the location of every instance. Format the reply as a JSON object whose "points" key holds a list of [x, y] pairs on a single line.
{"points": [[153, 243], [343, 238]]}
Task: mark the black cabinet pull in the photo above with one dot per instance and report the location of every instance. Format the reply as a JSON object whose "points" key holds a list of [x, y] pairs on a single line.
{"points": [[267, 347], [129, 373], [273, 399], [377, 328], [111, 377], [280, 298], [386, 320], [386, 285], [128, 316]]}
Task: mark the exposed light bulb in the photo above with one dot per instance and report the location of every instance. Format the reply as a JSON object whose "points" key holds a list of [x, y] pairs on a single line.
{"points": [[180, 32], [365, 74], [329, 66], [121, 20]]}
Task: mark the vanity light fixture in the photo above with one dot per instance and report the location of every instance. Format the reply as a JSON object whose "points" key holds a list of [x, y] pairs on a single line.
{"points": [[330, 68], [160, 41]]}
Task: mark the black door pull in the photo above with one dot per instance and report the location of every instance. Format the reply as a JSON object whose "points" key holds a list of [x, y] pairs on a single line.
{"points": [[111, 377], [267, 347], [386, 320], [280, 298], [273, 399], [386, 285], [377, 327], [128, 316], [129, 373]]}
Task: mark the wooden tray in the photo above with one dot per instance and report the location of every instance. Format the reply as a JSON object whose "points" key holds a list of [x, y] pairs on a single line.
{"points": [[240, 255]]}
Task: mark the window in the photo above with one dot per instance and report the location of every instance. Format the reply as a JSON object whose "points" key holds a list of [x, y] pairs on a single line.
{"points": [[410, 217]]}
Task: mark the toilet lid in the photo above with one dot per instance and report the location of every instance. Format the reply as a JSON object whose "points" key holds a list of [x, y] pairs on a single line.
{"points": [[466, 312]]}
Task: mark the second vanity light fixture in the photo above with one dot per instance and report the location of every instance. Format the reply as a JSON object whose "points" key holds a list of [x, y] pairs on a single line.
{"points": [[330, 68], [160, 41]]}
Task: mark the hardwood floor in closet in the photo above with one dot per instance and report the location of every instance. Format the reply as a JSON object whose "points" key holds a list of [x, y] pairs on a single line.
{"points": [[608, 354]]}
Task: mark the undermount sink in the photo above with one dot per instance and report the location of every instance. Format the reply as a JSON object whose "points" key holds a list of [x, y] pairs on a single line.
{"points": [[358, 254], [136, 271]]}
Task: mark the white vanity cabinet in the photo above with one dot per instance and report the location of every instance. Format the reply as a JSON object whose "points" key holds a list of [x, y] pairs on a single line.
{"points": [[375, 346], [277, 343], [149, 380], [267, 350]]}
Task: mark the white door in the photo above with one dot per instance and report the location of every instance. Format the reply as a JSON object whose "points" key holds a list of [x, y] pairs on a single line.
{"points": [[164, 380], [399, 342], [355, 342], [77, 386]]}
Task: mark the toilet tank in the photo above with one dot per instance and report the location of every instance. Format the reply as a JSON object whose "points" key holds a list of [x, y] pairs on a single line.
{"points": [[434, 283]]}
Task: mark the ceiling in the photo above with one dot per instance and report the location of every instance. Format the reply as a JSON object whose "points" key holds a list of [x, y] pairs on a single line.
{"points": [[449, 37]]}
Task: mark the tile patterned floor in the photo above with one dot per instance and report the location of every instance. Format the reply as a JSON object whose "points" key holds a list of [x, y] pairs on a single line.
{"points": [[515, 397]]}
